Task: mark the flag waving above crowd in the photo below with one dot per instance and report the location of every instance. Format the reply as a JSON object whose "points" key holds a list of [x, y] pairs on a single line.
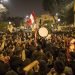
{"points": [[31, 19]]}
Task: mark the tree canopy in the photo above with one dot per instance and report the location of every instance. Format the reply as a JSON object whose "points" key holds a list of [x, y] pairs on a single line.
{"points": [[63, 7]]}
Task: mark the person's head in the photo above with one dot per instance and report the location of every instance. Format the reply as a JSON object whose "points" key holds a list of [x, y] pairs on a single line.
{"points": [[6, 57], [42, 67], [11, 73], [26, 62], [18, 52], [59, 66], [49, 57], [2, 68], [39, 47], [2, 57], [72, 54]]}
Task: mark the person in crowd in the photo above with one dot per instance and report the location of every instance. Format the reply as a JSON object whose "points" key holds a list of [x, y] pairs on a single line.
{"points": [[16, 62], [58, 68], [3, 69], [72, 62], [50, 55], [11, 72]]}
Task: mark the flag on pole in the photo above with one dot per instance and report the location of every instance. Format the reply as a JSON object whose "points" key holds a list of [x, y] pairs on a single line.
{"points": [[35, 27], [31, 19], [35, 39], [29, 23], [33, 13]]}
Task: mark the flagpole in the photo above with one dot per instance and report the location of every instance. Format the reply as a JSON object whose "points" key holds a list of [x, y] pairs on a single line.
{"points": [[35, 37], [32, 21]]}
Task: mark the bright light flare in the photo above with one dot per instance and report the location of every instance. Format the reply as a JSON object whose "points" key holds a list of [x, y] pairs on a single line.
{"points": [[59, 20], [56, 14], [5, 0]]}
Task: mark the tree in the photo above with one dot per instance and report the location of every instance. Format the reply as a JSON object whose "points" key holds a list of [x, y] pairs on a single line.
{"points": [[48, 25], [70, 16], [63, 7], [16, 20], [2, 8], [3, 12], [67, 13], [51, 7]]}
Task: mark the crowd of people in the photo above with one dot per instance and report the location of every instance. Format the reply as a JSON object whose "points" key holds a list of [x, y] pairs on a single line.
{"points": [[50, 53]]}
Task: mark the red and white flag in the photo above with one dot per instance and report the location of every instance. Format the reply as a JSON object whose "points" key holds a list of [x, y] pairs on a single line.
{"points": [[31, 19], [29, 23]]}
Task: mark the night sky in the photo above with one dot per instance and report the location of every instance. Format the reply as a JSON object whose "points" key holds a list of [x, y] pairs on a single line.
{"points": [[24, 7]]}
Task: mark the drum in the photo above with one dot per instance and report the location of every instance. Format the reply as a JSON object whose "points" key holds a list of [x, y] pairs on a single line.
{"points": [[43, 32]]}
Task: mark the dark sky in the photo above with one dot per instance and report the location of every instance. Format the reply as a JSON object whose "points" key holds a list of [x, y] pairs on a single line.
{"points": [[24, 7]]}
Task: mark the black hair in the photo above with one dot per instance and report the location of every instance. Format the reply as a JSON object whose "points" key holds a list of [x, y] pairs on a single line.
{"points": [[59, 66], [2, 68], [39, 47]]}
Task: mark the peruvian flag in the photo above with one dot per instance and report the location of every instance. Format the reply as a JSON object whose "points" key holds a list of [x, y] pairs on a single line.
{"points": [[31, 19], [29, 23]]}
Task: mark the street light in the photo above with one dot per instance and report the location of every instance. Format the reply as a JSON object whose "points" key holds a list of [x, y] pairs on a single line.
{"points": [[56, 14], [59, 20], [52, 25], [9, 22], [1, 1], [27, 16]]}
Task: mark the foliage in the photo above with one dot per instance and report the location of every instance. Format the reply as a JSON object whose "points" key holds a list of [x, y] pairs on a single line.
{"points": [[16, 20], [70, 16], [48, 24], [3, 25], [49, 5], [63, 7]]}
